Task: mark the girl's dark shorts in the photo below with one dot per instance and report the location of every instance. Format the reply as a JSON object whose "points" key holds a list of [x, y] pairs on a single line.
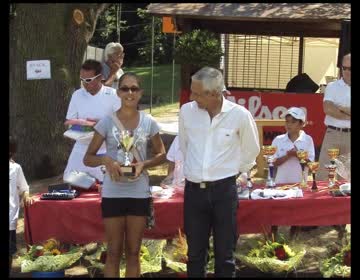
{"points": [[124, 206]]}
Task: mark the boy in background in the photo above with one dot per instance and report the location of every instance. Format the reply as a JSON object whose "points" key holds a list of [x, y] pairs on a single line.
{"points": [[295, 139], [288, 165], [18, 194]]}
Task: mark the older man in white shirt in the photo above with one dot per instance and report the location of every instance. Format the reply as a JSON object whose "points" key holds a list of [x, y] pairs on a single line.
{"points": [[218, 139], [337, 107]]}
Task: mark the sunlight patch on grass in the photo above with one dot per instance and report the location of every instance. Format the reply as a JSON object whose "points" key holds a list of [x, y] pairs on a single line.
{"points": [[163, 109]]}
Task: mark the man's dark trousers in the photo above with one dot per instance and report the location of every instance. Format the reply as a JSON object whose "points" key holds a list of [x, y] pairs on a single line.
{"points": [[211, 209]]}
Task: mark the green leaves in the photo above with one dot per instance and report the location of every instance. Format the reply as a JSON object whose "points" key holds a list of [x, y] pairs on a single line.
{"points": [[198, 48]]}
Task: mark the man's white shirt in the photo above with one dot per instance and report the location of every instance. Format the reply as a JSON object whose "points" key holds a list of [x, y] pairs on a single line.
{"points": [[85, 105], [218, 148], [290, 171], [339, 93]]}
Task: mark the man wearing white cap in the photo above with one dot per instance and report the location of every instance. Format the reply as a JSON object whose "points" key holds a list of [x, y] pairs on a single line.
{"points": [[287, 163]]}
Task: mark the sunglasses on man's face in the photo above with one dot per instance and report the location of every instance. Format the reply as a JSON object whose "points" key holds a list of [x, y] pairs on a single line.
{"points": [[344, 68], [133, 89], [89, 80]]}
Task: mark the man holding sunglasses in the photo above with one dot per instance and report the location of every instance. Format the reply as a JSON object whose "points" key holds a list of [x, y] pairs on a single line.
{"points": [[92, 101], [338, 115]]}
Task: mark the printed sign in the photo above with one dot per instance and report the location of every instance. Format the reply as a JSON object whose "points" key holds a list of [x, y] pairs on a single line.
{"points": [[38, 69]]}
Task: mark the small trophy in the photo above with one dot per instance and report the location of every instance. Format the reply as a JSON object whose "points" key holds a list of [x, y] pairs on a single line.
{"points": [[333, 154], [269, 152], [331, 168], [314, 167], [249, 184], [302, 156], [126, 141]]}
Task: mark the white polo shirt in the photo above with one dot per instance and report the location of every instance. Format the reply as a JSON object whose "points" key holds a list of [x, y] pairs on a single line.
{"points": [[17, 185], [218, 148], [85, 105], [290, 171], [339, 93]]}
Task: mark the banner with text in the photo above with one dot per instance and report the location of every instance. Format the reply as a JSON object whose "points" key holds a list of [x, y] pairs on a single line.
{"points": [[265, 105]]}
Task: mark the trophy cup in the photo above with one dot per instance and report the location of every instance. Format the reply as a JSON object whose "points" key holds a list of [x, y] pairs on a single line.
{"points": [[126, 141], [314, 167], [249, 184], [333, 153], [302, 156], [268, 152]]}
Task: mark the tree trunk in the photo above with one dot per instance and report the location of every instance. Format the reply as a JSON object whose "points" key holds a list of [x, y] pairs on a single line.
{"points": [[38, 107]]}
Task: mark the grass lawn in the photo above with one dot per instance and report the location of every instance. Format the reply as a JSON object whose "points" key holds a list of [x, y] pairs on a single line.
{"points": [[162, 83]]}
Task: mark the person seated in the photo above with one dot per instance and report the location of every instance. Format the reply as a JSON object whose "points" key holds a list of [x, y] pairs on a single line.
{"points": [[288, 165]]}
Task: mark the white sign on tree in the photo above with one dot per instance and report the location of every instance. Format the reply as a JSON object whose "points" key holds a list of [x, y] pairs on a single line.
{"points": [[38, 69]]}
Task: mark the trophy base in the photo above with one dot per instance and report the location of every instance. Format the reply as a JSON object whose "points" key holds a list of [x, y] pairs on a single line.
{"points": [[270, 184], [128, 171]]}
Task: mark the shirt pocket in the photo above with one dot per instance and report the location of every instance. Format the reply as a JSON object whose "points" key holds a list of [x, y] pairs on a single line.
{"points": [[225, 136]]}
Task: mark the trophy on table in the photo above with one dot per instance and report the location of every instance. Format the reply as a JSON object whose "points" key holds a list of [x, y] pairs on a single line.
{"points": [[269, 152], [333, 153], [302, 156], [314, 167]]}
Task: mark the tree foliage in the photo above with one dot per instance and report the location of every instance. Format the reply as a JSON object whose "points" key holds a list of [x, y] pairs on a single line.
{"points": [[106, 29], [198, 48], [163, 43]]}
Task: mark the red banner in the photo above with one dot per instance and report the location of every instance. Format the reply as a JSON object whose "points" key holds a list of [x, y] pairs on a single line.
{"points": [[266, 105]]}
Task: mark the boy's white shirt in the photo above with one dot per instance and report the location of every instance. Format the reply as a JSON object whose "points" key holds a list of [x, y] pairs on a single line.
{"points": [[17, 185], [290, 171]]}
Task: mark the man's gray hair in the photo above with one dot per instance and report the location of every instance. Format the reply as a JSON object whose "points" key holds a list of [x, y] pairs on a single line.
{"points": [[211, 78], [112, 48]]}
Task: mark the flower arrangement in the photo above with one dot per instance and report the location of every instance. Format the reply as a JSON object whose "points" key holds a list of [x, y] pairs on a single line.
{"points": [[151, 252], [49, 256], [338, 264], [175, 254], [272, 256]]}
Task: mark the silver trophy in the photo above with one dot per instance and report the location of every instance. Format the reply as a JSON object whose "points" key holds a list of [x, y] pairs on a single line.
{"points": [[127, 140], [269, 152]]}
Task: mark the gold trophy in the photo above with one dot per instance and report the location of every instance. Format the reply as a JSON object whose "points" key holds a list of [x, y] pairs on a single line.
{"points": [[302, 156], [333, 153], [269, 152], [314, 167], [126, 141]]}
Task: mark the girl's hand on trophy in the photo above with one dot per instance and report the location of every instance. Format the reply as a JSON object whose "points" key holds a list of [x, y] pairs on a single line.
{"points": [[113, 168], [139, 167]]}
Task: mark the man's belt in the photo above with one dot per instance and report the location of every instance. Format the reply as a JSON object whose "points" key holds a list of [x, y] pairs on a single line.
{"points": [[207, 184], [339, 129]]}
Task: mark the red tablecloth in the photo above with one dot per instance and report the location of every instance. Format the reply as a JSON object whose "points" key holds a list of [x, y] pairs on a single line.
{"points": [[79, 220]]}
